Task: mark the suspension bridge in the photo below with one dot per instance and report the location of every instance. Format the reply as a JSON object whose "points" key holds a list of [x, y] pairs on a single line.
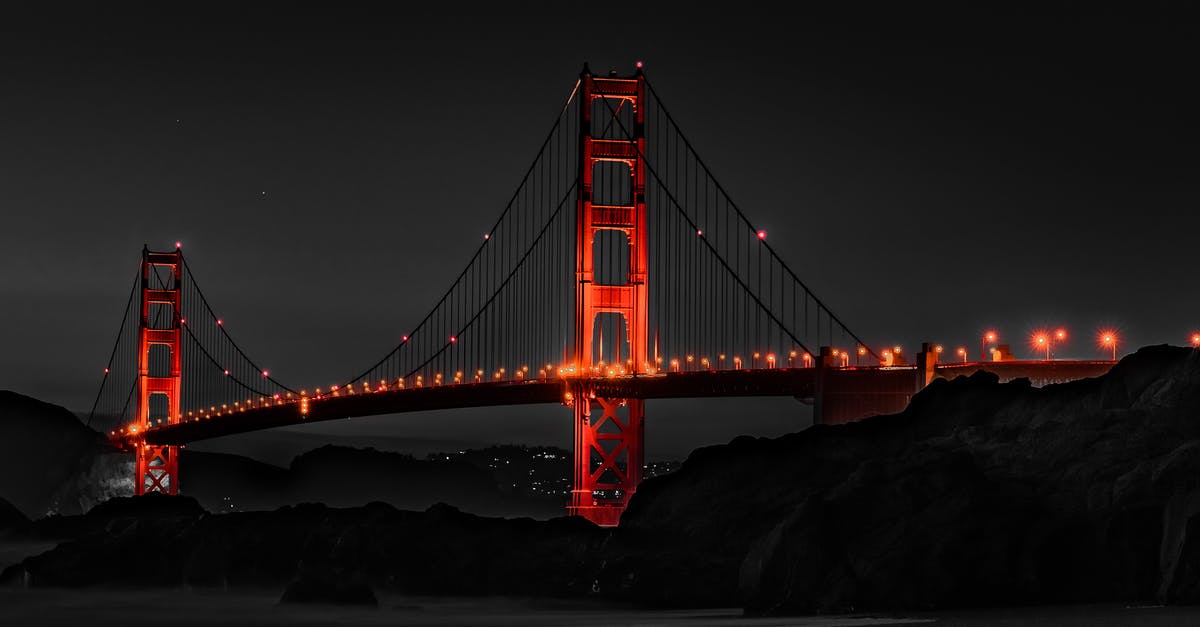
{"points": [[618, 271]]}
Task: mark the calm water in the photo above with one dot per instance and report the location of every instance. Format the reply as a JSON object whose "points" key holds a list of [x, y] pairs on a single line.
{"points": [[132, 608]]}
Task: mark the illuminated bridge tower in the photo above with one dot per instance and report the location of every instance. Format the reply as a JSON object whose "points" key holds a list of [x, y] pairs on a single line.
{"points": [[609, 431], [158, 466]]}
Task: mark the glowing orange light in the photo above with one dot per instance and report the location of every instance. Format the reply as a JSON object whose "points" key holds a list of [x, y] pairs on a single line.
{"points": [[1060, 334], [1196, 339], [862, 350], [990, 336], [1040, 340], [938, 348], [1107, 338]]}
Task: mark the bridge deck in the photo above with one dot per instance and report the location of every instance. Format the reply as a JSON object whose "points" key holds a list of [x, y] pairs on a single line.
{"points": [[862, 383]]}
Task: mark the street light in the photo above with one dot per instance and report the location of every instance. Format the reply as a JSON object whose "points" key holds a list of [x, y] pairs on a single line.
{"points": [[1041, 341], [1196, 340], [1060, 336], [962, 352], [862, 350], [988, 338], [1109, 339]]}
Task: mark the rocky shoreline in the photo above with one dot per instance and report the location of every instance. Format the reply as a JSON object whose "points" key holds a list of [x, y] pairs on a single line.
{"points": [[978, 494]]}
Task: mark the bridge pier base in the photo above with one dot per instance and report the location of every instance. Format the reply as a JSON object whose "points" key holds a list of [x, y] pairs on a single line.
{"points": [[608, 456], [157, 469]]}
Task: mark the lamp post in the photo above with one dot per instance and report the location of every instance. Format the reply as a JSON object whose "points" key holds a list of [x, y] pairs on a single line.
{"points": [[962, 352], [1196, 340], [1042, 342], [1109, 339], [988, 338]]}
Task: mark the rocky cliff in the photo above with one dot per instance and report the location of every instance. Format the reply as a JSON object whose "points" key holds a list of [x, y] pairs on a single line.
{"points": [[979, 493]]}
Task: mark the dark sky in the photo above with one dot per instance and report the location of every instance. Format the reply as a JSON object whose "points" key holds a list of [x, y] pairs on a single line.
{"points": [[928, 174]]}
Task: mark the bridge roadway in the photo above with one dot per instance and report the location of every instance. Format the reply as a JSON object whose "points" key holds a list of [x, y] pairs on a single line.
{"points": [[839, 395]]}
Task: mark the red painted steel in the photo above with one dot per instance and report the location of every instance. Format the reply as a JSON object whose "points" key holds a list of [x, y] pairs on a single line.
{"points": [[157, 465], [608, 446]]}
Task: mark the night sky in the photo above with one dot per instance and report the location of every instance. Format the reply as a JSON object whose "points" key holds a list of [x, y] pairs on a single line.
{"points": [[929, 175]]}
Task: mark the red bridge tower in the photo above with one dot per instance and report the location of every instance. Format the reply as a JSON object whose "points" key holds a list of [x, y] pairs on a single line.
{"points": [[158, 466], [609, 431]]}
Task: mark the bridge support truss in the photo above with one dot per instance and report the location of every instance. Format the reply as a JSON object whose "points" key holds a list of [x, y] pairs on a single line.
{"points": [[157, 466], [608, 447]]}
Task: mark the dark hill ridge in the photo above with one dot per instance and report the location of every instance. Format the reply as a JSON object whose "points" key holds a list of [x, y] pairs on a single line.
{"points": [[43, 451], [977, 494], [980, 493], [52, 464]]}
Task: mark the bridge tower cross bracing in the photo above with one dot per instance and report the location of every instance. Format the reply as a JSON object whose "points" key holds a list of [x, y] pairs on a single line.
{"points": [[609, 431], [157, 466]]}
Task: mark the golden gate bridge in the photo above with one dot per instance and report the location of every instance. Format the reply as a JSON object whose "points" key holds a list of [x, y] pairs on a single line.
{"points": [[618, 271]]}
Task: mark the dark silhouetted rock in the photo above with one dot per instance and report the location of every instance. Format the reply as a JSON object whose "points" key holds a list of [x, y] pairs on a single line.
{"points": [[978, 493]]}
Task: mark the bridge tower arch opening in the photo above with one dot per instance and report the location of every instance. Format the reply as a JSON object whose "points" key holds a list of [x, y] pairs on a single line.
{"points": [[609, 432]]}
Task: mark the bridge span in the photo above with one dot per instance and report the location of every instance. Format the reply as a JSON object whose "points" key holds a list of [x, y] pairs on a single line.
{"points": [[839, 394]]}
